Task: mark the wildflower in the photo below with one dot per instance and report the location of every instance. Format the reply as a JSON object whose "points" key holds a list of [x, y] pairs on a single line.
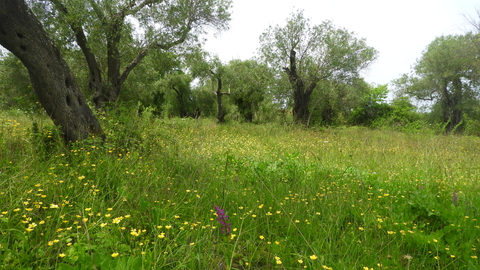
{"points": [[313, 257], [277, 260], [223, 219], [262, 237], [162, 235], [455, 199], [114, 255], [117, 220], [61, 255], [134, 232]]}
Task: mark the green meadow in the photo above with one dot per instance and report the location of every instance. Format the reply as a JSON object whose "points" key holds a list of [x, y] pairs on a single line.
{"points": [[192, 194]]}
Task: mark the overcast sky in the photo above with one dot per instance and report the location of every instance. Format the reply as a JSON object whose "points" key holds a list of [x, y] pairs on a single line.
{"points": [[399, 30]]}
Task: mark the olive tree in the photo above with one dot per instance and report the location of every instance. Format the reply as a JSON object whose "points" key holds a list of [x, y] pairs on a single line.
{"points": [[447, 74], [248, 82], [115, 36], [309, 54], [54, 84]]}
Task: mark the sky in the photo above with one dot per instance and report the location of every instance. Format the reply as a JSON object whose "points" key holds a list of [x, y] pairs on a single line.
{"points": [[398, 30]]}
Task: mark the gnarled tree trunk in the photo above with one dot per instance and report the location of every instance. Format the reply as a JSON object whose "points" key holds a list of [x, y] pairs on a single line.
{"points": [[301, 92], [451, 106], [220, 110], [53, 82]]}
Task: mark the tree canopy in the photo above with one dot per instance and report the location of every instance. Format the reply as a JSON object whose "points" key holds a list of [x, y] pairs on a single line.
{"points": [[447, 74], [309, 54], [114, 36]]}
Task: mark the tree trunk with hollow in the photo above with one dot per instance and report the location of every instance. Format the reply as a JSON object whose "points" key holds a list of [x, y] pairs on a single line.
{"points": [[53, 82]]}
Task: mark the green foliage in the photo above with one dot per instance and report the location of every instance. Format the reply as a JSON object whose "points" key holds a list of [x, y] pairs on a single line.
{"points": [[179, 99], [374, 112], [372, 107], [205, 101], [15, 89], [116, 36], [248, 82], [319, 57], [447, 75]]}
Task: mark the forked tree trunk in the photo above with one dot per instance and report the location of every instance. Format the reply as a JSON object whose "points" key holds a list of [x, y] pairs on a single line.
{"points": [[53, 82], [301, 91]]}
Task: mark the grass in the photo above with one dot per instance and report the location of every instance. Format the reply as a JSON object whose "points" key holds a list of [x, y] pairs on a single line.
{"points": [[346, 198]]}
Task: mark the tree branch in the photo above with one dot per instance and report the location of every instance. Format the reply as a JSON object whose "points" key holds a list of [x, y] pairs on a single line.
{"points": [[133, 64], [131, 9], [82, 43], [97, 10]]}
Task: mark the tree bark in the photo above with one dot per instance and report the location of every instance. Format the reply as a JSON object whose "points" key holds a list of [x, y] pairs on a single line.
{"points": [[220, 110], [301, 92], [53, 82], [451, 111]]}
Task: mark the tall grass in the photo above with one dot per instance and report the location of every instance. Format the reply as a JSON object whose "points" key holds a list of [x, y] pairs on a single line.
{"points": [[348, 198]]}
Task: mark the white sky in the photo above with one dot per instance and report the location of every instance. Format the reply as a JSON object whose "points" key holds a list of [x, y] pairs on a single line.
{"points": [[399, 30]]}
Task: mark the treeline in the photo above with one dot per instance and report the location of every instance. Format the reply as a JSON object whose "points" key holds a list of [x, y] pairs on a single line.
{"points": [[148, 55]]}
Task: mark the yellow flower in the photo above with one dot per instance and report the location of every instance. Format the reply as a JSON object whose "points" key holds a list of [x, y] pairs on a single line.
{"points": [[134, 232], [300, 261], [114, 255], [61, 255], [262, 237], [161, 236], [313, 257]]}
